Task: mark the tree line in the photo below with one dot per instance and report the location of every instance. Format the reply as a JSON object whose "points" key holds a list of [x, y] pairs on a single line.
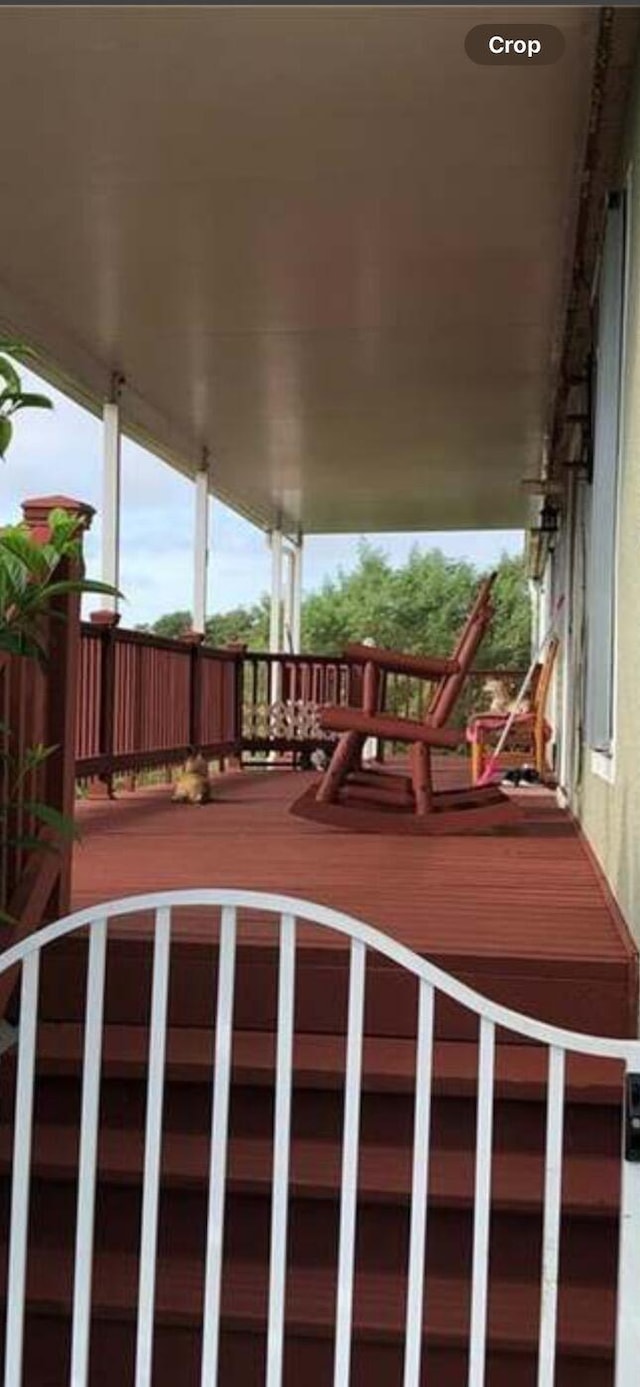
{"points": [[417, 606]]}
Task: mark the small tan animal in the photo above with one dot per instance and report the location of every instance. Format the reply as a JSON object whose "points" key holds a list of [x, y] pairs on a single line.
{"points": [[501, 700], [192, 785]]}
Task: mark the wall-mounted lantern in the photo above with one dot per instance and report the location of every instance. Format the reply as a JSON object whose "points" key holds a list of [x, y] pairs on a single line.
{"points": [[549, 519]]}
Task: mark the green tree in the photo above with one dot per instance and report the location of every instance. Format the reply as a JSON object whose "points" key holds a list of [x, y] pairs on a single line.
{"points": [[244, 625], [417, 607], [508, 641], [172, 626]]}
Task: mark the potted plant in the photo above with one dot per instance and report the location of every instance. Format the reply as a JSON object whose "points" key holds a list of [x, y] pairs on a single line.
{"points": [[30, 584]]}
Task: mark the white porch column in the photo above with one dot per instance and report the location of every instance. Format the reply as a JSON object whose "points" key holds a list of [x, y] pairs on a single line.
{"points": [[288, 600], [296, 612], [275, 622], [200, 551], [111, 475]]}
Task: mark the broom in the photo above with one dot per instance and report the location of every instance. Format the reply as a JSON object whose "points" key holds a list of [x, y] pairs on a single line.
{"points": [[491, 769]]}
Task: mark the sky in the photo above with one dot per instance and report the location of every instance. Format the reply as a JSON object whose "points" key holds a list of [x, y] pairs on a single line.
{"points": [[60, 452]]}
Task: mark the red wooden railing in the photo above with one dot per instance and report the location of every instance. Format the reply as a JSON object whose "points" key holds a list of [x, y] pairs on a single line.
{"points": [[143, 701], [283, 694], [273, 684]]}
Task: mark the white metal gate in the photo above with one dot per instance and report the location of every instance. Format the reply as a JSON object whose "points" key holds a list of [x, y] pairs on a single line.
{"points": [[286, 914]]}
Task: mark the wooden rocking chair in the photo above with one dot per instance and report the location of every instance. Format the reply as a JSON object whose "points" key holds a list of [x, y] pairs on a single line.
{"points": [[374, 801], [530, 732]]}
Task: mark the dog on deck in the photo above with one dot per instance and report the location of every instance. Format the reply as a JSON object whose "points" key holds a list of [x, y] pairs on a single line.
{"points": [[192, 783], [501, 700]]}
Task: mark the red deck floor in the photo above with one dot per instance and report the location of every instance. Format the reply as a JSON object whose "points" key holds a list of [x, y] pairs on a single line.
{"points": [[523, 915]]}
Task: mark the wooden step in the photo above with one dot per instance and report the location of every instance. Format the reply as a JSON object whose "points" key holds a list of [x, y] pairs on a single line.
{"points": [[585, 1320], [307, 1359], [590, 1198], [389, 1065], [590, 1184], [579, 993]]}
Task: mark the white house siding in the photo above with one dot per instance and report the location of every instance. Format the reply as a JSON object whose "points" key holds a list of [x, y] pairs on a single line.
{"points": [[608, 798]]}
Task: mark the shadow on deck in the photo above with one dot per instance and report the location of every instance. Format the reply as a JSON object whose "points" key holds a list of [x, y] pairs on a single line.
{"points": [[523, 915]]}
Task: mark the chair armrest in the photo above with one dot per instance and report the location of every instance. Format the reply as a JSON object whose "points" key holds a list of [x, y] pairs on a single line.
{"points": [[422, 666], [484, 724], [494, 722], [390, 728]]}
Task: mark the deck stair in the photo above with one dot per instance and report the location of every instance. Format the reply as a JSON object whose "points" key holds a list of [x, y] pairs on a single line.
{"points": [[590, 1193]]}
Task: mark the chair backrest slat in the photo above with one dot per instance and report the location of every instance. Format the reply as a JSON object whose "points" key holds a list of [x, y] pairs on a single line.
{"points": [[448, 688], [544, 679]]}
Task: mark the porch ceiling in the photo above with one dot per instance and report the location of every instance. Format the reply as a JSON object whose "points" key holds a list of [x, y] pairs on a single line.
{"points": [[319, 241]]}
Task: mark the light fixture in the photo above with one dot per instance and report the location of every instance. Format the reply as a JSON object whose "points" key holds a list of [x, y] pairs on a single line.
{"points": [[549, 519], [541, 539]]}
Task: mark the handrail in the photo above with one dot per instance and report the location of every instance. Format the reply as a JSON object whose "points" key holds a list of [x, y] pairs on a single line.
{"points": [[150, 640]]}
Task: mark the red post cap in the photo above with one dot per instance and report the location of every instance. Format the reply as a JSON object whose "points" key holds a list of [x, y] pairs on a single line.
{"points": [[104, 617], [37, 510]]}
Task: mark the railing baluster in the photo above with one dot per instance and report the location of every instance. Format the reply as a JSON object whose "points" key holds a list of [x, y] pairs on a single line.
{"points": [[254, 700], [419, 1187], [87, 1162], [348, 1188], [482, 1206], [551, 1222], [218, 1158], [153, 1147], [21, 1171], [281, 1149]]}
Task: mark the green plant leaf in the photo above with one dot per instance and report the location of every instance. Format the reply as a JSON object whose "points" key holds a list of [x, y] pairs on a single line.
{"points": [[53, 819], [25, 400], [6, 433], [21, 643], [32, 759], [80, 585], [9, 373]]}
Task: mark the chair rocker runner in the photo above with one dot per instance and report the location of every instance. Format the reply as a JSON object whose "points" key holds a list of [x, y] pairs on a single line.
{"points": [[377, 801]]}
